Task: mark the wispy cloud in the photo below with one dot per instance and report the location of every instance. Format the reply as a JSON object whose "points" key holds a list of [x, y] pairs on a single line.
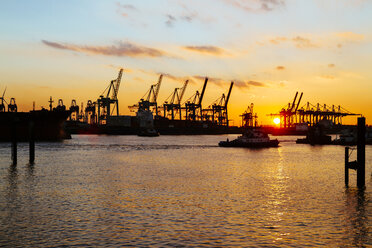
{"points": [[256, 5], [212, 50], [188, 16], [350, 36], [298, 41], [121, 49], [278, 40], [248, 84], [124, 9], [173, 77], [331, 65], [302, 42], [237, 82], [170, 20], [197, 79], [280, 68]]}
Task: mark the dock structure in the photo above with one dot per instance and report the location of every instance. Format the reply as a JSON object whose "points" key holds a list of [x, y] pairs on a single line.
{"points": [[172, 117], [310, 114], [360, 164]]}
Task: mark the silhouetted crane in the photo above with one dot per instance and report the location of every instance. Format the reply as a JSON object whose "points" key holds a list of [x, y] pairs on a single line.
{"points": [[248, 118], [218, 109], [90, 112], [74, 108], [174, 105], [149, 100], [193, 105], [104, 102], [12, 106], [3, 102]]}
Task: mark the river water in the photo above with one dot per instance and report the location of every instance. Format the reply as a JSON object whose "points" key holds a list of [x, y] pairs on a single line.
{"points": [[118, 191]]}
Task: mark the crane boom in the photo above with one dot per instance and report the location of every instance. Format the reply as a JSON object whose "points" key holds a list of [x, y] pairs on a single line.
{"points": [[228, 94], [299, 100], [156, 92], [203, 90], [294, 101], [117, 85], [182, 91]]}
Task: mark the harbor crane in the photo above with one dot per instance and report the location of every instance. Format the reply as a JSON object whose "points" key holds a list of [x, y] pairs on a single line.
{"points": [[2, 103], [174, 105], [12, 106], [249, 119], [90, 112], [104, 102], [60, 106], [313, 114], [287, 114], [74, 108], [218, 109], [310, 114], [193, 107], [149, 100]]}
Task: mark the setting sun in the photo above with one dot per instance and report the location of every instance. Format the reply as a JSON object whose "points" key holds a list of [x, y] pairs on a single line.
{"points": [[276, 121]]}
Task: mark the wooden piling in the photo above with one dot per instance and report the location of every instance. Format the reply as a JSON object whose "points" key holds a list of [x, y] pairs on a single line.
{"points": [[14, 142], [347, 166], [360, 164], [32, 142], [361, 156]]}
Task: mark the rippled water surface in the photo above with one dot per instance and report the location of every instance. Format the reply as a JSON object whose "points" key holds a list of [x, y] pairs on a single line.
{"points": [[119, 191]]}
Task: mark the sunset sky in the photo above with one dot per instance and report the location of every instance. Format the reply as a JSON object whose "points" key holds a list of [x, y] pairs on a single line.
{"points": [[269, 48]]}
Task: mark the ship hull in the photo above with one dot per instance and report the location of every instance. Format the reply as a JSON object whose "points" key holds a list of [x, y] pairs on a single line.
{"points": [[163, 126], [46, 125], [236, 143]]}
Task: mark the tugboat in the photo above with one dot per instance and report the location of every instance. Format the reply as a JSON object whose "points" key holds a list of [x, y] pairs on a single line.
{"points": [[252, 138]]}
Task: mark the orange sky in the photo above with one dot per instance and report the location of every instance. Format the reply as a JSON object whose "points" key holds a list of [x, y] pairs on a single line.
{"points": [[270, 49]]}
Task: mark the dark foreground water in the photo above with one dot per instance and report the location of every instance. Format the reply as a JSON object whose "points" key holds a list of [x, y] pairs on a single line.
{"points": [[120, 191]]}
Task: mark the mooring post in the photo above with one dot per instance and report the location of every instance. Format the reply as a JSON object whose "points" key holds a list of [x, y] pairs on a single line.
{"points": [[32, 141], [347, 166], [361, 156], [14, 142]]}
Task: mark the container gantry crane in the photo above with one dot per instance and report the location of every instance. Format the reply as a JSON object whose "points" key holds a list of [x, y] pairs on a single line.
{"points": [[12, 106], [149, 101], [193, 107], [60, 106], [90, 112], [218, 110], [74, 109], [249, 119], [3, 102], [104, 102], [310, 114], [287, 114], [173, 107]]}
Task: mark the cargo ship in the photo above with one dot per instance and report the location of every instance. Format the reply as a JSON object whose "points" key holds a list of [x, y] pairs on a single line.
{"points": [[46, 125], [134, 125]]}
